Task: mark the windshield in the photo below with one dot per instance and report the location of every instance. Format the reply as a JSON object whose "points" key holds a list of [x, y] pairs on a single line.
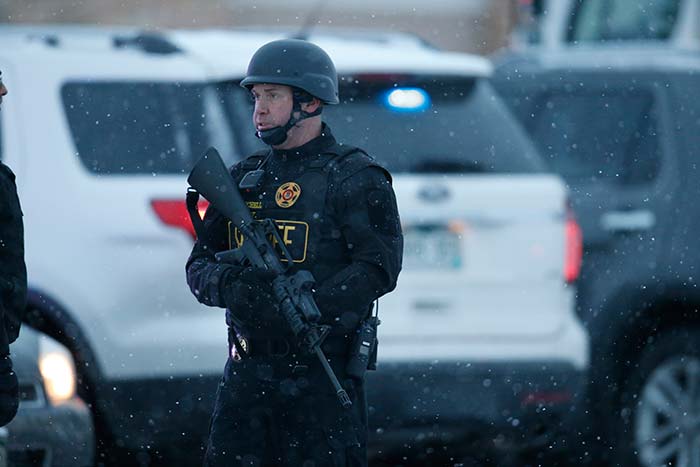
{"points": [[146, 127], [424, 125], [604, 20]]}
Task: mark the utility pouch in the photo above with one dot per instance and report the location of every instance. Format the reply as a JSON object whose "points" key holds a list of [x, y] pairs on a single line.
{"points": [[363, 352]]}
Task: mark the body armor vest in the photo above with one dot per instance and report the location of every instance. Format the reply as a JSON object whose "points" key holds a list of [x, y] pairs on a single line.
{"points": [[299, 196]]}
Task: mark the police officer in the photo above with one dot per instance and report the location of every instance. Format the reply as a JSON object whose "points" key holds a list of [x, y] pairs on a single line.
{"points": [[335, 211], [13, 284]]}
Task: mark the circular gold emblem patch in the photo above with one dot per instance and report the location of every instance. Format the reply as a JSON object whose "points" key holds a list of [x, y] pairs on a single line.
{"points": [[287, 194]]}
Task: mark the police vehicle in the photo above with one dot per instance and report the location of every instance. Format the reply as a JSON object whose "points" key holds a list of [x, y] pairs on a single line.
{"points": [[105, 126]]}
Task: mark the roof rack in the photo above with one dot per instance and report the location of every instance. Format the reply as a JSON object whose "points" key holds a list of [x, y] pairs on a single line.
{"points": [[49, 39], [90, 37], [149, 42]]}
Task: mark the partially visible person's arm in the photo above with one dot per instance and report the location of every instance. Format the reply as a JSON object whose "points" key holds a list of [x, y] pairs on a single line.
{"points": [[13, 272], [13, 289]]}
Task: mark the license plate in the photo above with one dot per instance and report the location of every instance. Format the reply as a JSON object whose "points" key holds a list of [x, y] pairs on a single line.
{"points": [[431, 247]]}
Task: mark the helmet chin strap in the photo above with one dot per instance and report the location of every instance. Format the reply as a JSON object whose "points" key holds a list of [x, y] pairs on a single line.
{"points": [[278, 135]]}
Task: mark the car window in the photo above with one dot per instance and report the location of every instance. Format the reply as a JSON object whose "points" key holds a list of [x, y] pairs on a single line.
{"points": [[604, 20], [591, 136], [426, 125], [142, 127]]}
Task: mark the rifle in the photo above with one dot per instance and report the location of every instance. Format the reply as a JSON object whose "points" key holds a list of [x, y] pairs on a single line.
{"points": [[293, 292]]}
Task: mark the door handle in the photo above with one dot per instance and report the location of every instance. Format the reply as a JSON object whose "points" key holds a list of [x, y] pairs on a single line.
{"points": [[628, 221]]}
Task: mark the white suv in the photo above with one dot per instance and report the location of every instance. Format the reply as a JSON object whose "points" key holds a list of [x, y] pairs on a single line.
{"points": [[107, 123]]}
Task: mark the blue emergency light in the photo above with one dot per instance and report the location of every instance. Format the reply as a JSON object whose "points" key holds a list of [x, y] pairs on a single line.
{"points": [[406, 99]]}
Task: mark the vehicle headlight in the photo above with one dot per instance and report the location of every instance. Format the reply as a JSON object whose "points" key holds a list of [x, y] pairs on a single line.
{"points": [[57, 370]]}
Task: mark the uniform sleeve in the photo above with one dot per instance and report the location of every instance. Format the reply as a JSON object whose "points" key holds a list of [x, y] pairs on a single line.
{"points": [[13, 272], [205, 275], [369, 217]]}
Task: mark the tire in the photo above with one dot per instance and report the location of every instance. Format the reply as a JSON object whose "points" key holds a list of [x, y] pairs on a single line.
{"points": [[659, 416]]}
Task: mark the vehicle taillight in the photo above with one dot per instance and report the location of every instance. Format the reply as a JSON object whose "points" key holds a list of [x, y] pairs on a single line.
{"points": [[174, 213], [574, 248]]}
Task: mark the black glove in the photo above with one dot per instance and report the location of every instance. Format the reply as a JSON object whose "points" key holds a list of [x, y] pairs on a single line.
{"points": [[9, 391], [247, 293], [256, 276], [246, 282]]}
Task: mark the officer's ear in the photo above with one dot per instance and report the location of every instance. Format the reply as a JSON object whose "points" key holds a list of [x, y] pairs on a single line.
{"points": [[311, 105]]}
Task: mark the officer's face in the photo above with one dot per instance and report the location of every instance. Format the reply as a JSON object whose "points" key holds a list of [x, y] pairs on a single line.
{"points": [[273, 105]]}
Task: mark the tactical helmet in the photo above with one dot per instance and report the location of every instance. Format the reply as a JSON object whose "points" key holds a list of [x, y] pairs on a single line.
{"points": [[296, 63]]}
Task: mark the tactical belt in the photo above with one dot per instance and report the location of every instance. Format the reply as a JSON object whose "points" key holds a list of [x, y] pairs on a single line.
{"points": [[280, 347]]}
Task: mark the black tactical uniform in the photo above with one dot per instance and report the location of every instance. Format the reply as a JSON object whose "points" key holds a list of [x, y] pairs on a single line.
{"points": [[336, 213], [275, 402], [13, 288]]}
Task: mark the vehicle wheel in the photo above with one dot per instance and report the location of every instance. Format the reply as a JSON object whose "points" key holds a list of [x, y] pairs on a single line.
{"points": [[659, 421]]}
